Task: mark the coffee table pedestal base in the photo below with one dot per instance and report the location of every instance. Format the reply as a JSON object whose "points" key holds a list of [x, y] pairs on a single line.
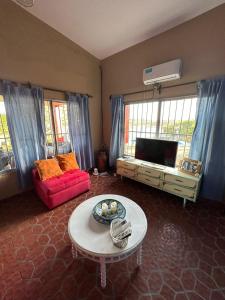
{"points": [[106, 260], [103, 272]]}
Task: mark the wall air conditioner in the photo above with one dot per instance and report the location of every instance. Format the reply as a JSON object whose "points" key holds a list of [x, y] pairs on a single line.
{"points": [[170, 70]]}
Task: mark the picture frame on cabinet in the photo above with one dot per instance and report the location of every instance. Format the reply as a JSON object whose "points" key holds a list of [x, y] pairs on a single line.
{"points": [[190, 166]]}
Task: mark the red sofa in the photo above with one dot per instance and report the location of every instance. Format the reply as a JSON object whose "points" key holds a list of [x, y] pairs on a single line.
{"points": [[60, 189]]}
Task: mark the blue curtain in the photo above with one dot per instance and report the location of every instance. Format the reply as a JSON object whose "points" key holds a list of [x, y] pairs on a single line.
{"points": [[208, 142], [117, 133], [25, 113], [80, 131], [38, 95]]}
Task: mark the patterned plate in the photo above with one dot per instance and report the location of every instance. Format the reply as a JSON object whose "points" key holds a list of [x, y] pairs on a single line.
{"points": [[97, 212]]}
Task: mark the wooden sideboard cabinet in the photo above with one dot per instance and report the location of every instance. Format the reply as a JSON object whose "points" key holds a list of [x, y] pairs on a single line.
{"points": [[168, 179]]}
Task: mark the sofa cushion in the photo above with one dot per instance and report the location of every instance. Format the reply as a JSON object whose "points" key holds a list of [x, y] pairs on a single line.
{"points": [[68, 179], [67, 161], [48, 168]]}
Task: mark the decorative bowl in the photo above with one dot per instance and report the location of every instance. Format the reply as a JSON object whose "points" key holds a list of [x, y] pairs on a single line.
{"points": [[107, 219]]}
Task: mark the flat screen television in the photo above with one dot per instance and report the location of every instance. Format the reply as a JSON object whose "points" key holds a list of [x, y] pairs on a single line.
{"points": [[156, 151]]}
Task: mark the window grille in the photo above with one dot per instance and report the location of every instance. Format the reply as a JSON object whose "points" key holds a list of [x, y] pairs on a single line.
{"points": [[169, 119]]}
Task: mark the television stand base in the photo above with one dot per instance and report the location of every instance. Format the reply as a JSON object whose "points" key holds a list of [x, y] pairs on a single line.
{"points": [[167, 179]]}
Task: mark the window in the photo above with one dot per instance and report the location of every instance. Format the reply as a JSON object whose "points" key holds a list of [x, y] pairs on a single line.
{"points": [[57, 129], [171, 119], [6, 154]]}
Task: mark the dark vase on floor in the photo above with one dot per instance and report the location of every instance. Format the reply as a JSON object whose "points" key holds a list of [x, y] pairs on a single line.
{"points": [[102, 161]]}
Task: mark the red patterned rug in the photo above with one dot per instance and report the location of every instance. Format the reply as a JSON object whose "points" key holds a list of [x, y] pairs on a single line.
{"points": [[183, 252]]}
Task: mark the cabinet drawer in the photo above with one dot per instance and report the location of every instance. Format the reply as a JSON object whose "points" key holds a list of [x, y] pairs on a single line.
{"points": [[148, 180], [180, 180], [149, 172], [179, 190], [126, 165], [125, 172]]}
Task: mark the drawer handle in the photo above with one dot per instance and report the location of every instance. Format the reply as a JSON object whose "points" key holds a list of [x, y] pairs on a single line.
{"points": [[148, 172], [151, 181], [178, 180], [182, 191], [148, 180]]}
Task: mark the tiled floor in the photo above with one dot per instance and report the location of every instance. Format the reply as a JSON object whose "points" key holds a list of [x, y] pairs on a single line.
{"points": [[183, 253]]}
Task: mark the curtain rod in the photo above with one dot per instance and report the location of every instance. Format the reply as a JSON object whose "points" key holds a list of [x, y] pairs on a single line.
{"points": [[48, 88], [63, 91], [163, 87]]}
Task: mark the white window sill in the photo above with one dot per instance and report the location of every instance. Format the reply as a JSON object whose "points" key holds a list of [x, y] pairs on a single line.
{"points": [[6, 172]]}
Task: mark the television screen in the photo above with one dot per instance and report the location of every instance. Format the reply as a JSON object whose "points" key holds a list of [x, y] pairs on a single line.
{"points": [[156, 151]]}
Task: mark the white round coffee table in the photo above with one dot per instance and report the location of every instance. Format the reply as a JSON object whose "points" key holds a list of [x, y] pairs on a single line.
{"points": [[92, 239]]}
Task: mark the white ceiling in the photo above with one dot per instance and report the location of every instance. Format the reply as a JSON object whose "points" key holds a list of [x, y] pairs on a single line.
{"points": [[105, 27]]}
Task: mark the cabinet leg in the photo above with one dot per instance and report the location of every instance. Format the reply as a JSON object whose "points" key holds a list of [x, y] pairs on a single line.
{"points": [[184, 202], [103, 272], [139, 256]]}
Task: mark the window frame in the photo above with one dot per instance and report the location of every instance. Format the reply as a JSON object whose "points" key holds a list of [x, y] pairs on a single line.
{"points": [[53, 125], [5, 138], [159, 115], [54, 131]]}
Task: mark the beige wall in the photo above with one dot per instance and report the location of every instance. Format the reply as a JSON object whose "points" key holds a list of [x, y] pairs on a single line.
{"points": [[200, 43], [32, 51]]}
